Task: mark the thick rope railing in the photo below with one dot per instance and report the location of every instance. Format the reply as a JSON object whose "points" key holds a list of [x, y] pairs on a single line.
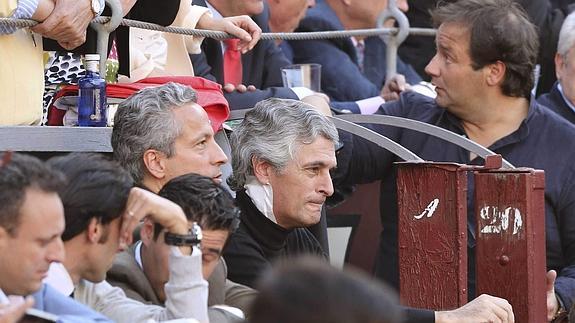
{"points": [[22, 23], [393, 37]]}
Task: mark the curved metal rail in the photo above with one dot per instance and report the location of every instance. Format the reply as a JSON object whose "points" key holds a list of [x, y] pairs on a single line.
{"points": [[378, 139], [374, 137], [426, 128]]}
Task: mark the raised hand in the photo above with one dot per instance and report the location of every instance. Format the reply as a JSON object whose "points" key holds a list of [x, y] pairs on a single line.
{"points": [[243, 27], [484, 308], [67, 23]]}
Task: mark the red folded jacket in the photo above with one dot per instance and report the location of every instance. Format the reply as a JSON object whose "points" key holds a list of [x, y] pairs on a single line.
{"points": [[210, 96]]}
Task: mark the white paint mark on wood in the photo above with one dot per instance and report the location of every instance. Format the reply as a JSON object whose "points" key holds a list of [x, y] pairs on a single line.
{"points": [[429, 210], [497, 221]]}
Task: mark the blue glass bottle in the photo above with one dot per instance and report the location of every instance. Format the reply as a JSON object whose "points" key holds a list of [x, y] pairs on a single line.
{"points": [[92, 89]]}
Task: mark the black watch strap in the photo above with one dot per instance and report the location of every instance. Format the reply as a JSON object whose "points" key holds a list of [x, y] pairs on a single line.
{"points": [[193, 238]]}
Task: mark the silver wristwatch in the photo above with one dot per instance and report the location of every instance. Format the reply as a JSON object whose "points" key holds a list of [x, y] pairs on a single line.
{"points": [[97, 7]]}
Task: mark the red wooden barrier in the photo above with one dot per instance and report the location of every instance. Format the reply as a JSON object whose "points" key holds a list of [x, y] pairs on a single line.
{"points": [[510, 212], [432, 234]]}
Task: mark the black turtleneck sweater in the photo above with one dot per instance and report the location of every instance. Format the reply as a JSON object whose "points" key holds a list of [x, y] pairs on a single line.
{"points": [[258, 242]]}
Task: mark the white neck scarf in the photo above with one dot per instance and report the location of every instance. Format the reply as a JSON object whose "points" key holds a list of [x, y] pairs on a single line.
{"points": [[262, 196]]}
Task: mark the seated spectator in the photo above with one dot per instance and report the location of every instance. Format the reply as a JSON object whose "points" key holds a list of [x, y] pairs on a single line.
{"points": [[260, 69], [186, 146], [310, 291], [31, 223], [102, 209], [353, 69], [143, 269], [561, 99], [161, 132], [282, 154]]}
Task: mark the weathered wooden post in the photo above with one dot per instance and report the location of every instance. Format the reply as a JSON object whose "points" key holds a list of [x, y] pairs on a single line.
{"points": [[432, 224], [510, 263]]}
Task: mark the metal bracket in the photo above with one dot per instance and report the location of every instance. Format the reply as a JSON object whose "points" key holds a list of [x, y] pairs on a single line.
{"points": [[104, 31], [393, 41]]}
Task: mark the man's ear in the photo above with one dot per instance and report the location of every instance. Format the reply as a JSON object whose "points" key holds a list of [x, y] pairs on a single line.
{"points": [[262, 170], [558, 66], [94, 231], [147, 232], [155, 163], [495, 73]]}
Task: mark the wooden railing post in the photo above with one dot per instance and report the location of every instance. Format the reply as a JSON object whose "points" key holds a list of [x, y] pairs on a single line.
{"points": [[510, 212], [432, 210]]}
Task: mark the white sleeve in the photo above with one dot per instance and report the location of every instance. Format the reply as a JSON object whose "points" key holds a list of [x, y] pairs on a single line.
{"points": [[186, 292]]}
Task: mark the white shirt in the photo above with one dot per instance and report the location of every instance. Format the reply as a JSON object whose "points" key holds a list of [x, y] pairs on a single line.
{"points": [[186, 290], [3, 298], [59, 278], [195, 251]]}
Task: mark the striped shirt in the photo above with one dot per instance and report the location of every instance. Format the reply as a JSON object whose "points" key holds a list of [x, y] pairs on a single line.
{"points": [[25, 10]]}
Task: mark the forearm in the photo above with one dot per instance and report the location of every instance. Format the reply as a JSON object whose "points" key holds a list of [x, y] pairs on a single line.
{"points": [[186, 290], [44, 9], [191, 17], [112, 302]]}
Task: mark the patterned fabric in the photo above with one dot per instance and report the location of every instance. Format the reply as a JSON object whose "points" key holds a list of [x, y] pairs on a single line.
{"points": [[62, 68]]}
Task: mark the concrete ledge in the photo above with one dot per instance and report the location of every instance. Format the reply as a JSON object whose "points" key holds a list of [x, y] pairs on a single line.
{"points": [[55, 139]]}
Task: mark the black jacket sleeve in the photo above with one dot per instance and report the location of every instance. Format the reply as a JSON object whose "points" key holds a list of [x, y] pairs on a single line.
{"points": [[416, 315]]}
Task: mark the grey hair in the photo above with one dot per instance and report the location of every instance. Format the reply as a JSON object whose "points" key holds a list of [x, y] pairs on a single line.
{"points": [[567, 35], [272, 131], [145, 121]]}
